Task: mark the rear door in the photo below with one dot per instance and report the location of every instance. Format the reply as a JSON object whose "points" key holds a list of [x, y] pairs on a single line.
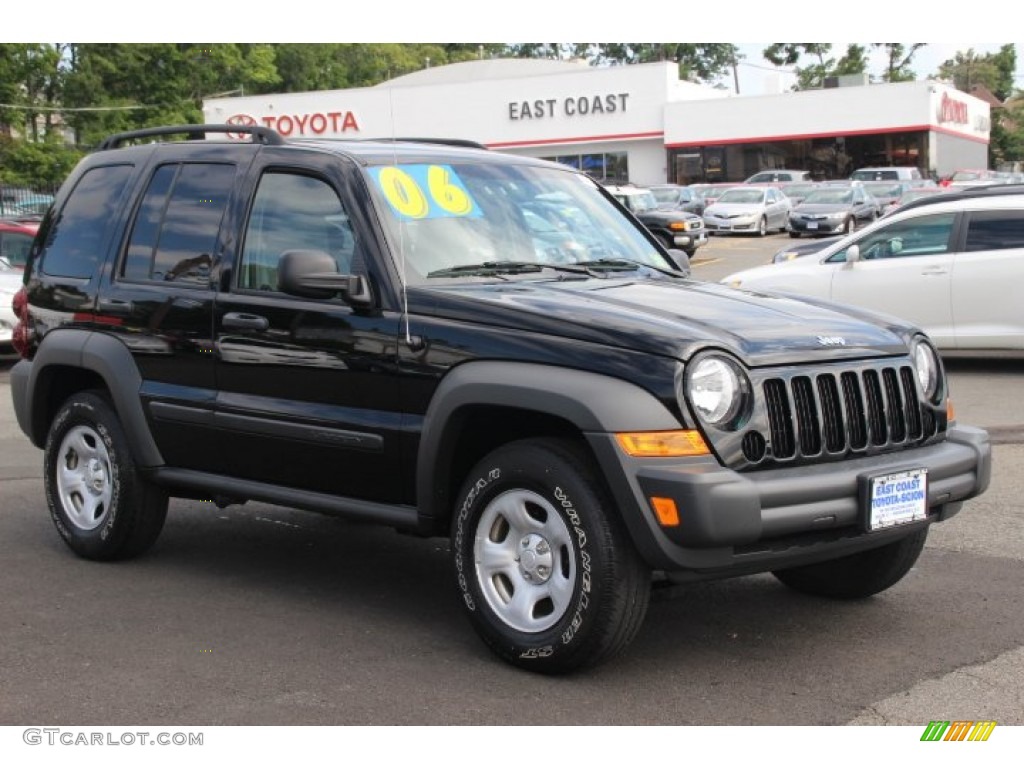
{"points": [[988, 282], [308, 389]]}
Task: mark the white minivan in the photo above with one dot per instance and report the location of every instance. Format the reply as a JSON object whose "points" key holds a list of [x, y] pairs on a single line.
{"points": [[893, 173], [954, 267]]}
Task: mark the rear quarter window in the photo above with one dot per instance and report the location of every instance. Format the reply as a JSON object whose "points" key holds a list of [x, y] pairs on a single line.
{"points": [[995, 231], [75, 239]]}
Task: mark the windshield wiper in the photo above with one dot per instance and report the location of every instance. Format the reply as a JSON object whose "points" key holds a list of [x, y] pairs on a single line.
{"points": [[623, 265], [510, 268], [487, 268]]}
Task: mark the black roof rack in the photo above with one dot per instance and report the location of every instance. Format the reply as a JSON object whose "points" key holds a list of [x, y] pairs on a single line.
{"points": [[260, 134], [968, 193]]}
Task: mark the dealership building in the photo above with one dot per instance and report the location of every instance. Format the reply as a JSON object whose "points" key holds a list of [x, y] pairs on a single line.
{"points": [[641, 122]]}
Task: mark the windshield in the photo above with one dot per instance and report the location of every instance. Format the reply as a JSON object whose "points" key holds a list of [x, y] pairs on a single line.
{"points": [[966, 176], [829, 197], [742, 196], [637, 203], [444, 216], [669, 195], [876, 175]]}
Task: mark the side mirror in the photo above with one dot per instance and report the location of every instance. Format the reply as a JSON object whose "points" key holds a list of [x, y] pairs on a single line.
{"points": [[314, 275], [853, 254]]}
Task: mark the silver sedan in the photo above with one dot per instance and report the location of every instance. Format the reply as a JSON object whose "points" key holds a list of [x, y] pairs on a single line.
{"points": [[748, 209]]}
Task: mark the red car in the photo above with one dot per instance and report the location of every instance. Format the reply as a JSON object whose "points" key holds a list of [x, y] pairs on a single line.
{"points": [[15, 240]]}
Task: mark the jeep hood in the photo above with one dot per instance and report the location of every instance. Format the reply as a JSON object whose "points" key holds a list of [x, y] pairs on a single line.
{"points": [[669, 317]]}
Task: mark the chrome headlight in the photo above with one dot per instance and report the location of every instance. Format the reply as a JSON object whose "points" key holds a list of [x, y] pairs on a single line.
{"points": [[719, 391], [926, 364]]}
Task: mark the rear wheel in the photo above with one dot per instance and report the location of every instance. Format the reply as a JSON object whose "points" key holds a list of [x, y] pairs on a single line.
{"points": [[101, 505], [794, 234], [860, 575], [545, 569]]}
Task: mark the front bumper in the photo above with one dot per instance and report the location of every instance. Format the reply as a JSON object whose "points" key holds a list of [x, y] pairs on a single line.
{"points": [[735, 523], [731, 225], [690, 239], [817, 227]]}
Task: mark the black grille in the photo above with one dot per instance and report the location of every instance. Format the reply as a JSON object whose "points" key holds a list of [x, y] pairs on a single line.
{"points": [[839, 413]]}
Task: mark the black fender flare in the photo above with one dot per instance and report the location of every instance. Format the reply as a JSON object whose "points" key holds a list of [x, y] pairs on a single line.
{"points": [[109, 359], [592, 402]]}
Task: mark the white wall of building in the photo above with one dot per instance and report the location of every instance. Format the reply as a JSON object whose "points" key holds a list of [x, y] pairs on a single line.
{"points": [[888, 107], [545, 108]]}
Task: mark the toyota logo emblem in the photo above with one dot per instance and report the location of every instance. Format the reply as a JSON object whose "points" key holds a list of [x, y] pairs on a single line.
{"points": [[246, 121]]}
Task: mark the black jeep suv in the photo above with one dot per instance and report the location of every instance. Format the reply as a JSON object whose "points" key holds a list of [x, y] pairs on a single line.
{"points": [[456, 342]]}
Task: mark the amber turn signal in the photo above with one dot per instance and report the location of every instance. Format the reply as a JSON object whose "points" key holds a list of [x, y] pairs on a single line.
{"points": [[685, 442], [950, 410], [666, 511]]}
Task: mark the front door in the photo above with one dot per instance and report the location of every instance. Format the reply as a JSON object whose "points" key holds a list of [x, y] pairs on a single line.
{"points": [[307, 387]]}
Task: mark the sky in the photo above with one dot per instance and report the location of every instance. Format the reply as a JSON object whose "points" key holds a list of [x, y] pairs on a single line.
{"points": [[532, 20], [758, 76]]}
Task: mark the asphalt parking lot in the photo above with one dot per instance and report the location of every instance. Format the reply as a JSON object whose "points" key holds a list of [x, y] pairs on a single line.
{"points": [[262, 615]]}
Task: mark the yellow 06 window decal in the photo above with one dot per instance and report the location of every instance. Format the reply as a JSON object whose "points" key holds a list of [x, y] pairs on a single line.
{"points": [[424, 191]]}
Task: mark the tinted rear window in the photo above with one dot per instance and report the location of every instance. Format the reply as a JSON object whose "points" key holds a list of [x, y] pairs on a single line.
{"points": [[995, 230], [76, 237]]}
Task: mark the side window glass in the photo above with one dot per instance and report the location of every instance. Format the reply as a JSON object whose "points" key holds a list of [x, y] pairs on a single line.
{"points": [[74, 238], [995, 230], [175, 231], [138, 262], [293, 212], [921, 236]]}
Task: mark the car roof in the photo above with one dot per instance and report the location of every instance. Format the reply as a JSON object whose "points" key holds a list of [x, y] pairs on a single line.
{"points": [[970, 193]]}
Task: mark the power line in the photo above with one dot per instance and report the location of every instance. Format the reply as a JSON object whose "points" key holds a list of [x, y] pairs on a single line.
{"points": [[34, 108]]}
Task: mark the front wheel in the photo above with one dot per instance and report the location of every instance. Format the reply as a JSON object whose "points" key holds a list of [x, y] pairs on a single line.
{"points": [[545, 569], [101, 505], [762, 227], [848, 226], [860, 575]]}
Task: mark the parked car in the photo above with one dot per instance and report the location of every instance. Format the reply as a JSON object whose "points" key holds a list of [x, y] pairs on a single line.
{"points": [[798, 190], [376, 338], [10, 283], [749, 209], [675, 229], [778, 176], [15, 241], [911, 194], [675, 197], [953, 264], [830, 210], [886, 192], [887, 173], [976, 178], [713, 191]]}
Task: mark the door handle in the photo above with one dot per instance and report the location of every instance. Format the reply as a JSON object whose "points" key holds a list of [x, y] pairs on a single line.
{"points": [[935, 272], [115, 306], [243, 320]]}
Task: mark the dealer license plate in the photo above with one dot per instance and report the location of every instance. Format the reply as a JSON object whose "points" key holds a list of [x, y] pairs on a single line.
{"points": [[897, 499], [812, 225]]}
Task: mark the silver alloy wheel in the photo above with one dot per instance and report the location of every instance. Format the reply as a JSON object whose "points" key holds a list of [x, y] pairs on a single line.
{"points": [[84, 478], [762, 227], [525, 560]]}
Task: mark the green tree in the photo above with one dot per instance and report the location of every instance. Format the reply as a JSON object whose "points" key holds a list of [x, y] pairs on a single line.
{"points": [[37, 164], [31, 78], [993, 70], [898, 58], [822, 65]]}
